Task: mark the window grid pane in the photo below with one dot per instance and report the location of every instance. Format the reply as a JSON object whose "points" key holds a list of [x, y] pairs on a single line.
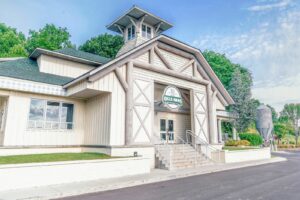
{"points": [[50, 115], [133, 32], [144, 30], [148, 32]]}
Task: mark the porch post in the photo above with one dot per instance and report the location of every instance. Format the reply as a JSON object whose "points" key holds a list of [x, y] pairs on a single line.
{"points": [[129, 104], [220, 130], [234, 136], [210, 113]]}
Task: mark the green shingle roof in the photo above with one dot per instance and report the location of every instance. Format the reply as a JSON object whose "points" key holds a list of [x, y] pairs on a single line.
{"points": [[27, 69], [83, 55]]}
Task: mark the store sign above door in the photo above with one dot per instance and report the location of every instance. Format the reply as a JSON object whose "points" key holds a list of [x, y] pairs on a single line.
{"points": [[172, 97]]}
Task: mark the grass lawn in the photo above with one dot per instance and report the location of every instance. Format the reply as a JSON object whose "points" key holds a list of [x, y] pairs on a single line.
{"points": [[232, 148], [53, 157]]}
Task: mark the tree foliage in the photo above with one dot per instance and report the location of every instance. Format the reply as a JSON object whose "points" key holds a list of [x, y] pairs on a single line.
{"points": [[224, 68], [238, 81], [274, 113], [49, 37], [105, 45], [291, 112], [282, 129], [12, 43], [245, 106]]}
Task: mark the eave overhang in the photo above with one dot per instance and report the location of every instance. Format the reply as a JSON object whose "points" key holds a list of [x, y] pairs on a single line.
{"points": [[137, 13]]}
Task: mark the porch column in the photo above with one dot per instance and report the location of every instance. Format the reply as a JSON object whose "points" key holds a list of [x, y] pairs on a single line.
{"points": [[210, 114], [220, 130], [129, 104], [234, 136]]}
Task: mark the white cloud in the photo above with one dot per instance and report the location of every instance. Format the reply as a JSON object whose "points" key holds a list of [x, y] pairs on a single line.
{"points": [[271, 51], [271, 5]]}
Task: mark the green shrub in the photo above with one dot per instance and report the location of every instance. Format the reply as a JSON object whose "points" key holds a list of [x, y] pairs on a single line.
{"points": [[243, 143], [231, 143], [237, 143], [254, 139]]}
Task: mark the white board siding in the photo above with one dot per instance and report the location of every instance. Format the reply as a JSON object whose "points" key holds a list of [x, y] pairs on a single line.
{"points": [[188, 71], [198, 75], [199, 110], [3, 111], [110, 83], [158, 62], [61, 67], [81, 85], [200, 129], [17, 133], [98, 116], [218, 104], [175, 61], [143, 58], [142, 121]]}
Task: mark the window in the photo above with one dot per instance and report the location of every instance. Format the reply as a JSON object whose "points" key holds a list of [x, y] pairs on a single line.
{"points": [[50, 115], [146, 31], [36, 113], [131, 32], [66, 116]]}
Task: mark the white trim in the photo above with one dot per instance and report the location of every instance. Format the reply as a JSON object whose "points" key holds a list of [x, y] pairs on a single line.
{"points": [[30, 86], [10, 59]]}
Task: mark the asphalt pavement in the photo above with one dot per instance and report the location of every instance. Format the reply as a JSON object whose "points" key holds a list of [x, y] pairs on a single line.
{"points": [[276, 181]]}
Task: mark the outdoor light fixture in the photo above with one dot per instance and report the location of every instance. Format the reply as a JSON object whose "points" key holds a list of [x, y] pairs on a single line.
{"points": [[135, 154]]}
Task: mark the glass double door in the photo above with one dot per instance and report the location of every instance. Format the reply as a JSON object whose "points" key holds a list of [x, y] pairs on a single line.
{"points": [[167, 130]]}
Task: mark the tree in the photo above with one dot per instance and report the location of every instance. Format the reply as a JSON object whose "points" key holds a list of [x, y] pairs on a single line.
{"points": [[49, 37], [224, 68], [244, 107], [292, 113], [105, 45], [274, 113], [280, 130], [12, 43]]}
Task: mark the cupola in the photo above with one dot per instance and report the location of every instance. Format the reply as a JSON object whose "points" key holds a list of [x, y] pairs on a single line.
{"points": [[137, 26]]}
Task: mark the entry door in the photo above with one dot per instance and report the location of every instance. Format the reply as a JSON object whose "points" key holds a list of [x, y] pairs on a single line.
{"points": [[167, 130]]}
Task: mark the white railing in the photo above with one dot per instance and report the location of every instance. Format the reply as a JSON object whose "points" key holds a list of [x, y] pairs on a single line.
{"points": [[50, 125], [203, 146]]}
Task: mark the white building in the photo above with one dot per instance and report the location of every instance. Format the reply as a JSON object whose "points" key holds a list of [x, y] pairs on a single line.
{"points": [[155, 91]]}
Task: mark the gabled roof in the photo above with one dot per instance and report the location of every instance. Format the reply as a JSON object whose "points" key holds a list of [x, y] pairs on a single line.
{"points": [[27, 69], [72, 55], [83, 55], [137, 13], [174, 43]]}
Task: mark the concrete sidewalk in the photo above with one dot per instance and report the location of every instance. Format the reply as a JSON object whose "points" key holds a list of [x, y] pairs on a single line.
{"points": [[157, 175]]}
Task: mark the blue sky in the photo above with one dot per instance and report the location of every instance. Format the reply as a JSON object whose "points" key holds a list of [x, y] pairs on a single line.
{"points": [[262, 35]]}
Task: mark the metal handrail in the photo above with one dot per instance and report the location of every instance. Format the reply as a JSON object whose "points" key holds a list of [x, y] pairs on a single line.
{"points": [[167, 153], [211, 148]]}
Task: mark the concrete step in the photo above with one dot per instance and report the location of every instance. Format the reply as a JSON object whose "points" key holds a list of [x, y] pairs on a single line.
{"points": [[178, 156]]}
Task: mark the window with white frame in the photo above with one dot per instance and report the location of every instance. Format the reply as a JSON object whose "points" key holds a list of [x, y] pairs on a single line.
{"points": [[131, 32], [51, 115], [146, 31]]}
